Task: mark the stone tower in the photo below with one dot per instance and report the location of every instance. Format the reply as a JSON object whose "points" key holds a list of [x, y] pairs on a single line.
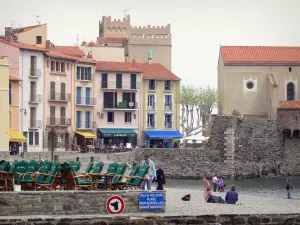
{"points": [[137, 41]]}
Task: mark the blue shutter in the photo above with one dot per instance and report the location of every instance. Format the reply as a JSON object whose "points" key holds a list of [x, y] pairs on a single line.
{"points": [[87, 96], [78, 119], [10, 93], [78, 73], [87, 119], [78, 101], [89, 73]]}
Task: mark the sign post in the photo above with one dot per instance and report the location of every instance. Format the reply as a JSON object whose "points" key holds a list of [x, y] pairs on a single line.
{"points": [[150, 201], [115, 205]]}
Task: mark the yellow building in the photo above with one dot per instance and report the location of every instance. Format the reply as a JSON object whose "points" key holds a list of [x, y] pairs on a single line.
{"points": [[161, 115], [4, 102]]}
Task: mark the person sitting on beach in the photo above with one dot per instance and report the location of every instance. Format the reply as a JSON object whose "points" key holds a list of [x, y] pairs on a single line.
{"points": [[231, 196], [208, 196]]}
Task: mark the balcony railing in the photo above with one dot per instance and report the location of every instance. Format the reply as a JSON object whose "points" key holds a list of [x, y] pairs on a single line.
{"points": [[126, 85], [150, 106], [34, 98], [85, 77], [59, 121], [151, 125], [85, 125], [60, 97], [34, 73], [86, 101], [35, 124], [168, 106], [122, 105]]}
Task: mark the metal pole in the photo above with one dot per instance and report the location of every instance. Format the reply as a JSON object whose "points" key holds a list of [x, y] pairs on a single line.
{"points": [[52, 147]]}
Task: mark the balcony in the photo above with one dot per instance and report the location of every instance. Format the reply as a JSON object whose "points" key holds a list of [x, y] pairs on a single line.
{"points": [[86, 101], [59, 122], [125, 85], [84, 77], [59, 97], [151, 106], [168, 106], [34, 73], [35, 124], [34, 98], [87, 125], [127, 106]]}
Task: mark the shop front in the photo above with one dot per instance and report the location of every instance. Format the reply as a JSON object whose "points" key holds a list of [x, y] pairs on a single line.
{"points": [[118, 137], [83, 140], [161, 138], [15, 140]]}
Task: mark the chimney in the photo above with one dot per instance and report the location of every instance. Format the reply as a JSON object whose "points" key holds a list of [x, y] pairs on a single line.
{"points": [[8, 34], [83, 44], [90, 56], [133, 63], [48, 44]]}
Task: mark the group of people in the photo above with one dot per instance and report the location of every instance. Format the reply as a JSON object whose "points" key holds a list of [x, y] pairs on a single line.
{"points": [[218, 183]]}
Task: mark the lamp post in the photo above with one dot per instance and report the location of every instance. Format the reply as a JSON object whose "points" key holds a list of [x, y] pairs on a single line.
{"points": [[51, 128]]}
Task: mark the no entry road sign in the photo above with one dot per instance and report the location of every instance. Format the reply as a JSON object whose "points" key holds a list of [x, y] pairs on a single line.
{"points": [[115, 205]]}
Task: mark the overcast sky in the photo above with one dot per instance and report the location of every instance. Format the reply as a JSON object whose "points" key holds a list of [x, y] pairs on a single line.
{"points": [[198, 27]]}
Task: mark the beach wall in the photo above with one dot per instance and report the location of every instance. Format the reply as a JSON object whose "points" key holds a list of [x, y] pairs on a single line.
{"points": [[265, 219]]}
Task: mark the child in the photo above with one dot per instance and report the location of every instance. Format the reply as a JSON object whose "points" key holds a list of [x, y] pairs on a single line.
{"points": [[160, 179]]}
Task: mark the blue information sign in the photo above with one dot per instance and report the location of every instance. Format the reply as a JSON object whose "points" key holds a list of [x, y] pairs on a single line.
{"points": [[152, 200]]}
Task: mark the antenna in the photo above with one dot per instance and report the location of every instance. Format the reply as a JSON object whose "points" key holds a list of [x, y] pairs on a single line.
{"points": [[37, 19], [12, 22], [77, 40], [125, 12]]}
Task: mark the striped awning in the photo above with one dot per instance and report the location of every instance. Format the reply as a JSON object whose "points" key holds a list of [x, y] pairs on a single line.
{"points": [[16, 136], [86, 134]]}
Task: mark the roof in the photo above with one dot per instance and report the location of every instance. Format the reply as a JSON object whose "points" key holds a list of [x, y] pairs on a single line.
{"points": [[14, 78], [290, 105], [112, 39], [149, 70], [91, 44], [264, 55], [24, 29], [70, 51], [59, 55], [23, 45]]}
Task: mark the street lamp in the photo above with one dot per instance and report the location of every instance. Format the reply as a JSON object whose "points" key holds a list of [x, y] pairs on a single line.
{"points": [[51, 129]]}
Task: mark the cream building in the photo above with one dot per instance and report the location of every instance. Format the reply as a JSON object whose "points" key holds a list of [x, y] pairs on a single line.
{"points": [[253, 80], [4, 109]]}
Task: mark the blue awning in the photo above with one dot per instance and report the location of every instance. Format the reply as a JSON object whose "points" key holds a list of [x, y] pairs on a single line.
{"points": [[163, 134]]}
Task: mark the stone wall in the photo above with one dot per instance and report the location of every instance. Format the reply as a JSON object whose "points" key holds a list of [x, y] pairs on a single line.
{"points": [[273, 219], [291, 157], [63, 202]]}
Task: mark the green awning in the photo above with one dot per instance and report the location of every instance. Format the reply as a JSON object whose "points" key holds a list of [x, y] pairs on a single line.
{"points": [[106, 132]]}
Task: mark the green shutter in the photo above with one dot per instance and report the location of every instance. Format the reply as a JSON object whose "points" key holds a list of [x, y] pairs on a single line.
{"points": [[63, 91], [52, 115], [52, 90], [104, 80], [119, 81], [133, 81], [62, 115]]}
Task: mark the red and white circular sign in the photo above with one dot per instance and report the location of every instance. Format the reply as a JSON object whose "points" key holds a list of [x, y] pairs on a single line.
{"points": [[115, 205]]}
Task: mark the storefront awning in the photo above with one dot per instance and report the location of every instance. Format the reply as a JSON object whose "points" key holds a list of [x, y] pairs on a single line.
{"points": [[86, 134], [16, 136], [163, 134], [117, 132]]}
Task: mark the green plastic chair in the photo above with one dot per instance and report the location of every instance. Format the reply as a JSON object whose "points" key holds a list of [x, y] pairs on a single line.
{"points": [[137, 181], [101, 179], [31, 169], [20, 169], [120, 183], [76, 166], [44, 169], [97, 168], [50, 179], [119, 173], [4, 166], [89, 167]]}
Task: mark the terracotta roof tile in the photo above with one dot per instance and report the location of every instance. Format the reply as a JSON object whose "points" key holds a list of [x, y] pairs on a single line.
{"points": [[59, 55], [14, 78], [289, 105], [150, 70], [111, 39], [260, 55], [23, 45], [91, 44], [23, 29], [70, 50]]}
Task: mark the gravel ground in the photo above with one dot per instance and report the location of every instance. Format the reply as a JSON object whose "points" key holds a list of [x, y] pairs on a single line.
{"points": [[246, 204]]}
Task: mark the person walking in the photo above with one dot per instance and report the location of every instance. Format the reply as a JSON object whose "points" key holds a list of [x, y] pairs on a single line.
{"points": [[160, 179], [215, 180], [289, 188], [231, 196], [151, 174]]}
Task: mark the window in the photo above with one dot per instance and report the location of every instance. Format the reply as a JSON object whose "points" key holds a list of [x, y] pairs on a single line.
{"points": [[152, 84], [151, 102], [52, 66], [33, 71], [168, 85], [88, 96], [110, 117], [52, 115], [10, 100], [25, 134], [84, 73], [30, 138], [88, 119], [250, 85], [57, 66], [290, 89], [119, 81], [133, 81], [168, 101], [150, 120], [78, 119], [62, 91], [67, 66], [63, 116], [78, 92], [38, 40], [168, 120], [290, 69], [52, 90], [62, 67], [36, 138], [104, 80], [127, 117]]}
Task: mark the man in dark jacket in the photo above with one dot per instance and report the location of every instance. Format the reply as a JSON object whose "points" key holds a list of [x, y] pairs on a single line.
{"points": [[289, 189], [160, 178], [231, 196]]}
